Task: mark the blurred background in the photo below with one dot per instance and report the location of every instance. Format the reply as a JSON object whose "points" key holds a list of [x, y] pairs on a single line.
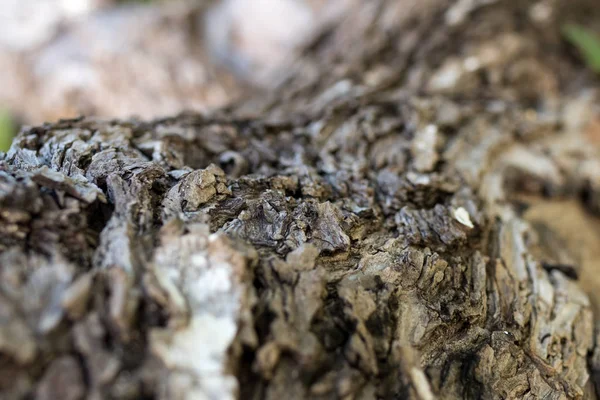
{"points": [[153, 58], [145, 58]]}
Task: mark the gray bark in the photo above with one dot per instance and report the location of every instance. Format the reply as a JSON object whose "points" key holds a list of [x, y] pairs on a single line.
{"points": [[378, 227]]}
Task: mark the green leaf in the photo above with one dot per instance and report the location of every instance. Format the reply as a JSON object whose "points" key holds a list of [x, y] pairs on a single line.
{"points": [[7, 130], [587, 43]]}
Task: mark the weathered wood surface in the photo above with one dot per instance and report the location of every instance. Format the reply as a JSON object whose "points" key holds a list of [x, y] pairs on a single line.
{"points": [[362, 233]]}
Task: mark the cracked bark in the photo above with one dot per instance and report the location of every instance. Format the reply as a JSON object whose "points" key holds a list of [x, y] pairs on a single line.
{"points": [[378, 227]]}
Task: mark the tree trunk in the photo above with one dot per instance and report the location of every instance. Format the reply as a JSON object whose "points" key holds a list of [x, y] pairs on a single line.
{"points": [[410, 215]]}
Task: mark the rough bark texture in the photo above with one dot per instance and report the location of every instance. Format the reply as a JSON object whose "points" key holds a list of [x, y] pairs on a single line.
{"points": [[379, 227]]}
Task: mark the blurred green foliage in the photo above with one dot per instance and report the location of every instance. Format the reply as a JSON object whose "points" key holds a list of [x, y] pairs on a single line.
{"points": [[586, 42], [7, 130]]}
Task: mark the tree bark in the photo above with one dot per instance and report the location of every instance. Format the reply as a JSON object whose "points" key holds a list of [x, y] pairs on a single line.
{"points": [[378, 227]]}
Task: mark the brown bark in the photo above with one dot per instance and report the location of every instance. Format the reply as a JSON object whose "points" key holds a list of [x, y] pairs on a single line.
{"points": [[381, 226]]}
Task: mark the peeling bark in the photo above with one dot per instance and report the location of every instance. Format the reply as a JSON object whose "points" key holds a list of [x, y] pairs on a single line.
{"points": [[373, 231]]}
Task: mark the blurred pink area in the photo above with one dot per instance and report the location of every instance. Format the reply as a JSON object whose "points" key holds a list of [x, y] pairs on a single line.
{"points": [[64, 58]]}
